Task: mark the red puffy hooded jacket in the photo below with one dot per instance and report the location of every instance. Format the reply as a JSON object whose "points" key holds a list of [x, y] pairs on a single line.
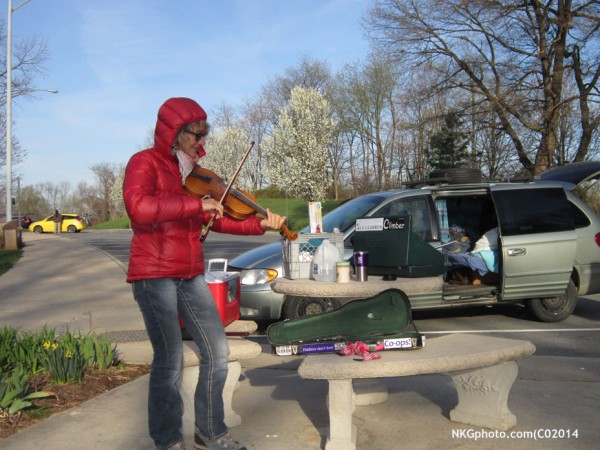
{"points": [[166, 222]]}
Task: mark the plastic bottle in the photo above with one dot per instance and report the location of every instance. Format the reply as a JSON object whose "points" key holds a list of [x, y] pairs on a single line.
{"points": [[343, 271], [324, 261]]}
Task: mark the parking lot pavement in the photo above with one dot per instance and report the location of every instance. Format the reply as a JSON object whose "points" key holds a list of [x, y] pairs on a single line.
{"points": [[62, 283]]}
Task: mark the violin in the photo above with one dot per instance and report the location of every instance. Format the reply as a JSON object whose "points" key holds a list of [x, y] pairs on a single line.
{"points": [[237, 204]]}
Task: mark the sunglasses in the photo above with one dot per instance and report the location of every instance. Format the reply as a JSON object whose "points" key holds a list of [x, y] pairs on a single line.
{"points": [[198, 136]]}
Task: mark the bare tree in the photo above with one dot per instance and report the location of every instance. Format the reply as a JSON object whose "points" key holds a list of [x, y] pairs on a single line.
{"points": [[421, 115], [28, 59], [224, 116], [308, 74], [52, 194], [511, 54], [586, 74], [106, 174], [364, 101], [84, 199], [30, 201], [257, 124]]}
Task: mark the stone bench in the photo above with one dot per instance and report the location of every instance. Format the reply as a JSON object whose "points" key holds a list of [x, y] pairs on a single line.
{"points": [[364, 289], [482, 368], [239, 348]]}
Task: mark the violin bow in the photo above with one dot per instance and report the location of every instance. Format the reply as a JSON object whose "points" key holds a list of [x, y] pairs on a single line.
{"points": [[227, 190]]}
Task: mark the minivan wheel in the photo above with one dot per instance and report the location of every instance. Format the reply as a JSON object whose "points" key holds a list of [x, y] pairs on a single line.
{"points": [[554, 309], [296, 307], [38, 230]]}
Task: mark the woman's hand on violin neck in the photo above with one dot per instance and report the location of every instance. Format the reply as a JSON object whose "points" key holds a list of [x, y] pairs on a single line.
{"points": [[272, 221], [212, 206]]}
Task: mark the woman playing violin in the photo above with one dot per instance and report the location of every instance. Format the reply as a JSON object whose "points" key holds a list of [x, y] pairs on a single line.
{"points": [[166, 269]]}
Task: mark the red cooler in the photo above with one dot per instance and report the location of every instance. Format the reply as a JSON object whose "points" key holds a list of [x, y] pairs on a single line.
{"points": [[225, 288]]}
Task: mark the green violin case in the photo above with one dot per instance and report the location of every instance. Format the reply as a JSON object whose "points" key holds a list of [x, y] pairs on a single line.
{"points": [[383, 317]]}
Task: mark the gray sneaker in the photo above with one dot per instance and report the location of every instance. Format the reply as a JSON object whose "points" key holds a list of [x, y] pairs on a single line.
{"points": [[177, 446], [223, 443]]}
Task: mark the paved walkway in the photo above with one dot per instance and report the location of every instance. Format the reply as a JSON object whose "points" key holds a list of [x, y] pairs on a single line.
{"points": [[63, 283]]}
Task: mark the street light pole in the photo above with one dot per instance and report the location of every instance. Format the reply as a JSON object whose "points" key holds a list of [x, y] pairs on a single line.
{"points": [[9, 109]]}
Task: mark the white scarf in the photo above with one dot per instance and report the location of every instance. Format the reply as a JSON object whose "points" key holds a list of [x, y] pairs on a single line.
{"points": [[186, 163]]}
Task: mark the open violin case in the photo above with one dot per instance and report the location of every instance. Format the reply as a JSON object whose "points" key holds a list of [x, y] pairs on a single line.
{"points": [[382, 319]]}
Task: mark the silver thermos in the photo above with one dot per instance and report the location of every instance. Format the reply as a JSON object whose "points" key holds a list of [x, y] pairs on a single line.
{"points": [[361, 261]]}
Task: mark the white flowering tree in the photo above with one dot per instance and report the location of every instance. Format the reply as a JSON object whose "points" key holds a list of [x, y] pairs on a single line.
{"points": [[116, 194], [297, 151], [224, 151]]}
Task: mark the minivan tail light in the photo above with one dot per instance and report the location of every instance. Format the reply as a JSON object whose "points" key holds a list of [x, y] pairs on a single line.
{"points": [[597, 239]]}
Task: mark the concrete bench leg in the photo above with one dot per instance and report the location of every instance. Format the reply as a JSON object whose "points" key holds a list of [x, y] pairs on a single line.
{"points": [[232, 419], [342, 434], [483, 395], [369, 392], [188, 388]]}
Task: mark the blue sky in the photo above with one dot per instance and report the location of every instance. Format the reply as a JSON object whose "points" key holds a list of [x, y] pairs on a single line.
{"points": [[115, 62]]}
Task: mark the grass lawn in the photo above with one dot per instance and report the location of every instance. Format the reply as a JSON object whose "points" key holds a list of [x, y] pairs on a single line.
{"points": [[296, 211], [8, 258]]}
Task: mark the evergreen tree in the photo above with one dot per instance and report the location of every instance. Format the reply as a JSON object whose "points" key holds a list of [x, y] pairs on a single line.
{"points": [[448, 147]]}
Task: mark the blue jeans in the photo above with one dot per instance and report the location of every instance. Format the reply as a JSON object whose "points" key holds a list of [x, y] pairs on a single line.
{"points": [[161, 301]]}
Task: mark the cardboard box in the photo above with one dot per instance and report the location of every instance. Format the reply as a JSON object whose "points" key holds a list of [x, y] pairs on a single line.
{"points": [[315, 217]]}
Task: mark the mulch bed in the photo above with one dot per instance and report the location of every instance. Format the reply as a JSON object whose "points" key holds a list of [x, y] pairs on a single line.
{"points": [[95, 382]]}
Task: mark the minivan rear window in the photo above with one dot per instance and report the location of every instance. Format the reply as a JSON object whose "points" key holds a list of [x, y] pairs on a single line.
{"points": [[529, 211], [581, 220]]}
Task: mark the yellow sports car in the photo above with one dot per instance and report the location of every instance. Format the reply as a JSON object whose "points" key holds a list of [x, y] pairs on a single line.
{"points": [[71, 223]]}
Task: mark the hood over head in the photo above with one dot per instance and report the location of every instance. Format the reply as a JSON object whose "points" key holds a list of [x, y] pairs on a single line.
{"points": [[172, 115]]}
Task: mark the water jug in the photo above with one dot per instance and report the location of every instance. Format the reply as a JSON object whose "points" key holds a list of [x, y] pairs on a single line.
{"points": [[324, 260]]}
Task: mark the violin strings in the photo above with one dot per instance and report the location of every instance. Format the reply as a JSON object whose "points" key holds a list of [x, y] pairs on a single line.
{"points": [[246, 200]]}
